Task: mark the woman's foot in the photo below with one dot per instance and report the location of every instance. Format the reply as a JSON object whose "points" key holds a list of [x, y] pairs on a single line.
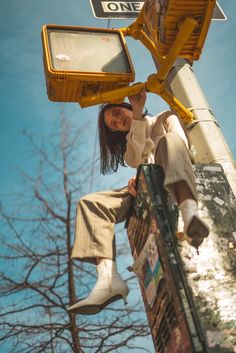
{"points": [[195, 229], [109, 288]]}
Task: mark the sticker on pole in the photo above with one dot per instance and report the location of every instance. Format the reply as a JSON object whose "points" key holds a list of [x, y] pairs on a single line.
{"points": [[116, 9]]}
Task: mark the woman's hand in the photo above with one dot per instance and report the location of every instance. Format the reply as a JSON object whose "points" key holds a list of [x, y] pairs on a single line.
{"points": [[138, 103], [132, 186]]}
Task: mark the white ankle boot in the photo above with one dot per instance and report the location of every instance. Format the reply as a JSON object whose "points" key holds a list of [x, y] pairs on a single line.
{"points": [[195, 229], [109, 288]]}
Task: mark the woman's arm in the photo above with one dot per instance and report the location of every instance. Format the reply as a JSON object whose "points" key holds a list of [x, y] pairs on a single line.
{"points": [[135, 145], [138, 103], [137, 135], [132, 186]]}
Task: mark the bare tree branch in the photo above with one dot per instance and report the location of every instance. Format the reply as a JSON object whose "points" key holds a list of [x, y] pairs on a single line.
{"points": [[38, 278]]}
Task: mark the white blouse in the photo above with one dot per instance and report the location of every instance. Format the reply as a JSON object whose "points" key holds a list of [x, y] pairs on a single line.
{"points": [[145, 134]]}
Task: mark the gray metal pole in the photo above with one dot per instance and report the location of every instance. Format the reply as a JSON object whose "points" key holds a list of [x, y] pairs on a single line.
{"points": [[204, 133]]}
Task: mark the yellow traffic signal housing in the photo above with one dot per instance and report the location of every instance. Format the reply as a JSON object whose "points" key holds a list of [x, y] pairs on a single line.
{"points": [[163, 20], [82, 61]]}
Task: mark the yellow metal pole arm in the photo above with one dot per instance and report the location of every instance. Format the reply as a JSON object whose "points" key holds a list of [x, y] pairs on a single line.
{"points": [[186, 28], [138, 33], [148, 43], [151, 85], [113, 96], [185, 114], [155, 86], [136, 25]]}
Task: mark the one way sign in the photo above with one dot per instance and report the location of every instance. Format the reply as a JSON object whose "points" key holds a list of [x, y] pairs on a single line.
{"points": [[130, 8], [116, 9]]}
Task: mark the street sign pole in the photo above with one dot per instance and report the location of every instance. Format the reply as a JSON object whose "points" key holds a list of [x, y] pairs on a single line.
{"points": [[204, 133]]}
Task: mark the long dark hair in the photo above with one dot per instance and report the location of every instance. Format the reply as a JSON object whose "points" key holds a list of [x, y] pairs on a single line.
{"points": [[112, 143]]}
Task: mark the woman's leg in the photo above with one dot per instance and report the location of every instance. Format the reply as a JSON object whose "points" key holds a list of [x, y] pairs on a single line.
{"points": [[173, 156], [96, 216]]}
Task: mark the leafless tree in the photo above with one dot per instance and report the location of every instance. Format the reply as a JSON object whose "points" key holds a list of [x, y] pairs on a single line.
{"points": [[38, 279]]}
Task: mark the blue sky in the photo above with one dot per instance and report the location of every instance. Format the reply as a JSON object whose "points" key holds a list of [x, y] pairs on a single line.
{"points": [[24, 103]]}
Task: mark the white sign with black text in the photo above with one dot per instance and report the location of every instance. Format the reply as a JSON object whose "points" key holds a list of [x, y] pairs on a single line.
{"points": [[116, 9], [122, 6]]}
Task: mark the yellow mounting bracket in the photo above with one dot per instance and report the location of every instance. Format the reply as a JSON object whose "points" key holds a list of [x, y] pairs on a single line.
{"points": [[137, 31], [155, 83]]}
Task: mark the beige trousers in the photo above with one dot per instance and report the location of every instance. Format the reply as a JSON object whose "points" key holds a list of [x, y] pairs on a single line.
{"points": [[97, 213], [96, 217]]}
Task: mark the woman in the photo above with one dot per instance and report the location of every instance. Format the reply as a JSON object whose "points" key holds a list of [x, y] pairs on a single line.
{"points": [[129, 136]]}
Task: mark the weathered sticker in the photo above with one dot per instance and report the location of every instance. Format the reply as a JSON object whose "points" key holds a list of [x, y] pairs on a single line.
{"points": [[212, 168], [63, 57], [219, 201]]}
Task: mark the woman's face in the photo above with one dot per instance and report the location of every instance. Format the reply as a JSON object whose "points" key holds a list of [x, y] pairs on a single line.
{"points": [[118, 118]]}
